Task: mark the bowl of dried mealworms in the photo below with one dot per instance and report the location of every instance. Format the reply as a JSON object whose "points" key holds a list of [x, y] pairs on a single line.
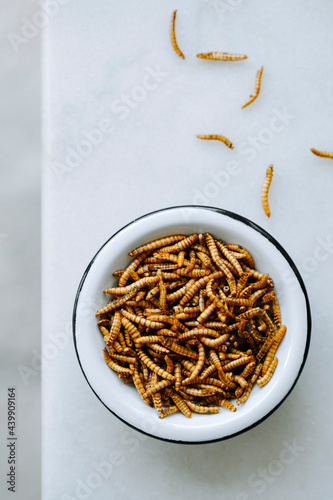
{"points": [[191, 324]]}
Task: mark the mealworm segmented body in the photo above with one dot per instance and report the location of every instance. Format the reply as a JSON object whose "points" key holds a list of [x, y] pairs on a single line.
{"points": [[221, 56], [202, 409], [323, 154], [179, 402], [265, 188], [268, 375], [113, 365], [173, 36], [256, 89], [154, 367], [152, 245], [272, 350], [216, 137]]}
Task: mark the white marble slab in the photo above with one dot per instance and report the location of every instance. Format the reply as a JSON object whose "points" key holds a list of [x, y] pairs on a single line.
{"points": [[109, 66]]}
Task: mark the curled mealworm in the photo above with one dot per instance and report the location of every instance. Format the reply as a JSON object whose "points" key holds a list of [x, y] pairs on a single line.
{"points": [[265, 188], [221, 56], [323, 154], [173, 36], [256, 89], [216, 137]]}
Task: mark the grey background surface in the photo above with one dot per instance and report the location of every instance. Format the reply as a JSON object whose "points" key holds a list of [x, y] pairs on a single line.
{"points": [[99, 54], [20, 246]]}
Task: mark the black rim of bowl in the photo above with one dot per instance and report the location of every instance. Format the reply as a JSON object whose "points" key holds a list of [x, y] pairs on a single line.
{"points": [[281, 250]]}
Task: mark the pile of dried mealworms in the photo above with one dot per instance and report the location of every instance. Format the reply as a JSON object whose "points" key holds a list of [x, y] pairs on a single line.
{"points": [[191, 324]]}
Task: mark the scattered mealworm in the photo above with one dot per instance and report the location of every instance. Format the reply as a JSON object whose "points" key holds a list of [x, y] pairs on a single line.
{"points": [[173, 36], [201, 345], [216, 137], [256, 89], [221, 56], [265, 188], [323, 154]]}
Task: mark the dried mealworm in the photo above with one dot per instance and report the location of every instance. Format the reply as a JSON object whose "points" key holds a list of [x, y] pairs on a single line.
{"points": [[133, 265], [204, 315], [179, 349], [201, 393], [276, 311], [180, 258], [125, 359], [228, 255], [154, 367], [173, 36], [134, 287], [152, 245], [180, 292], [208, 371], [181, 245], [200, 362], [214, 343], [256, 89], [199, 284], [141, 320], [195, 273], [178, 375], [265, 188], [227, 404], [163, 292], [268, 375], [221, 56], [202, 409], [156, 396], [275, 344], [179, 402], [237, 378], [248, 257], [168, 411], [216, 137], [239, 302], [323, 154], [169, 364], [116, 303], [115, 328], [191, 264], [216, 361], [113, 365], [238, 362], [162, 384], [138, 384], [248, 370], [149, 339]]}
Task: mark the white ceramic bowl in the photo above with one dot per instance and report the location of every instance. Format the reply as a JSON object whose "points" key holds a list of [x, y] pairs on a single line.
{"points": [[122, 399]]}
